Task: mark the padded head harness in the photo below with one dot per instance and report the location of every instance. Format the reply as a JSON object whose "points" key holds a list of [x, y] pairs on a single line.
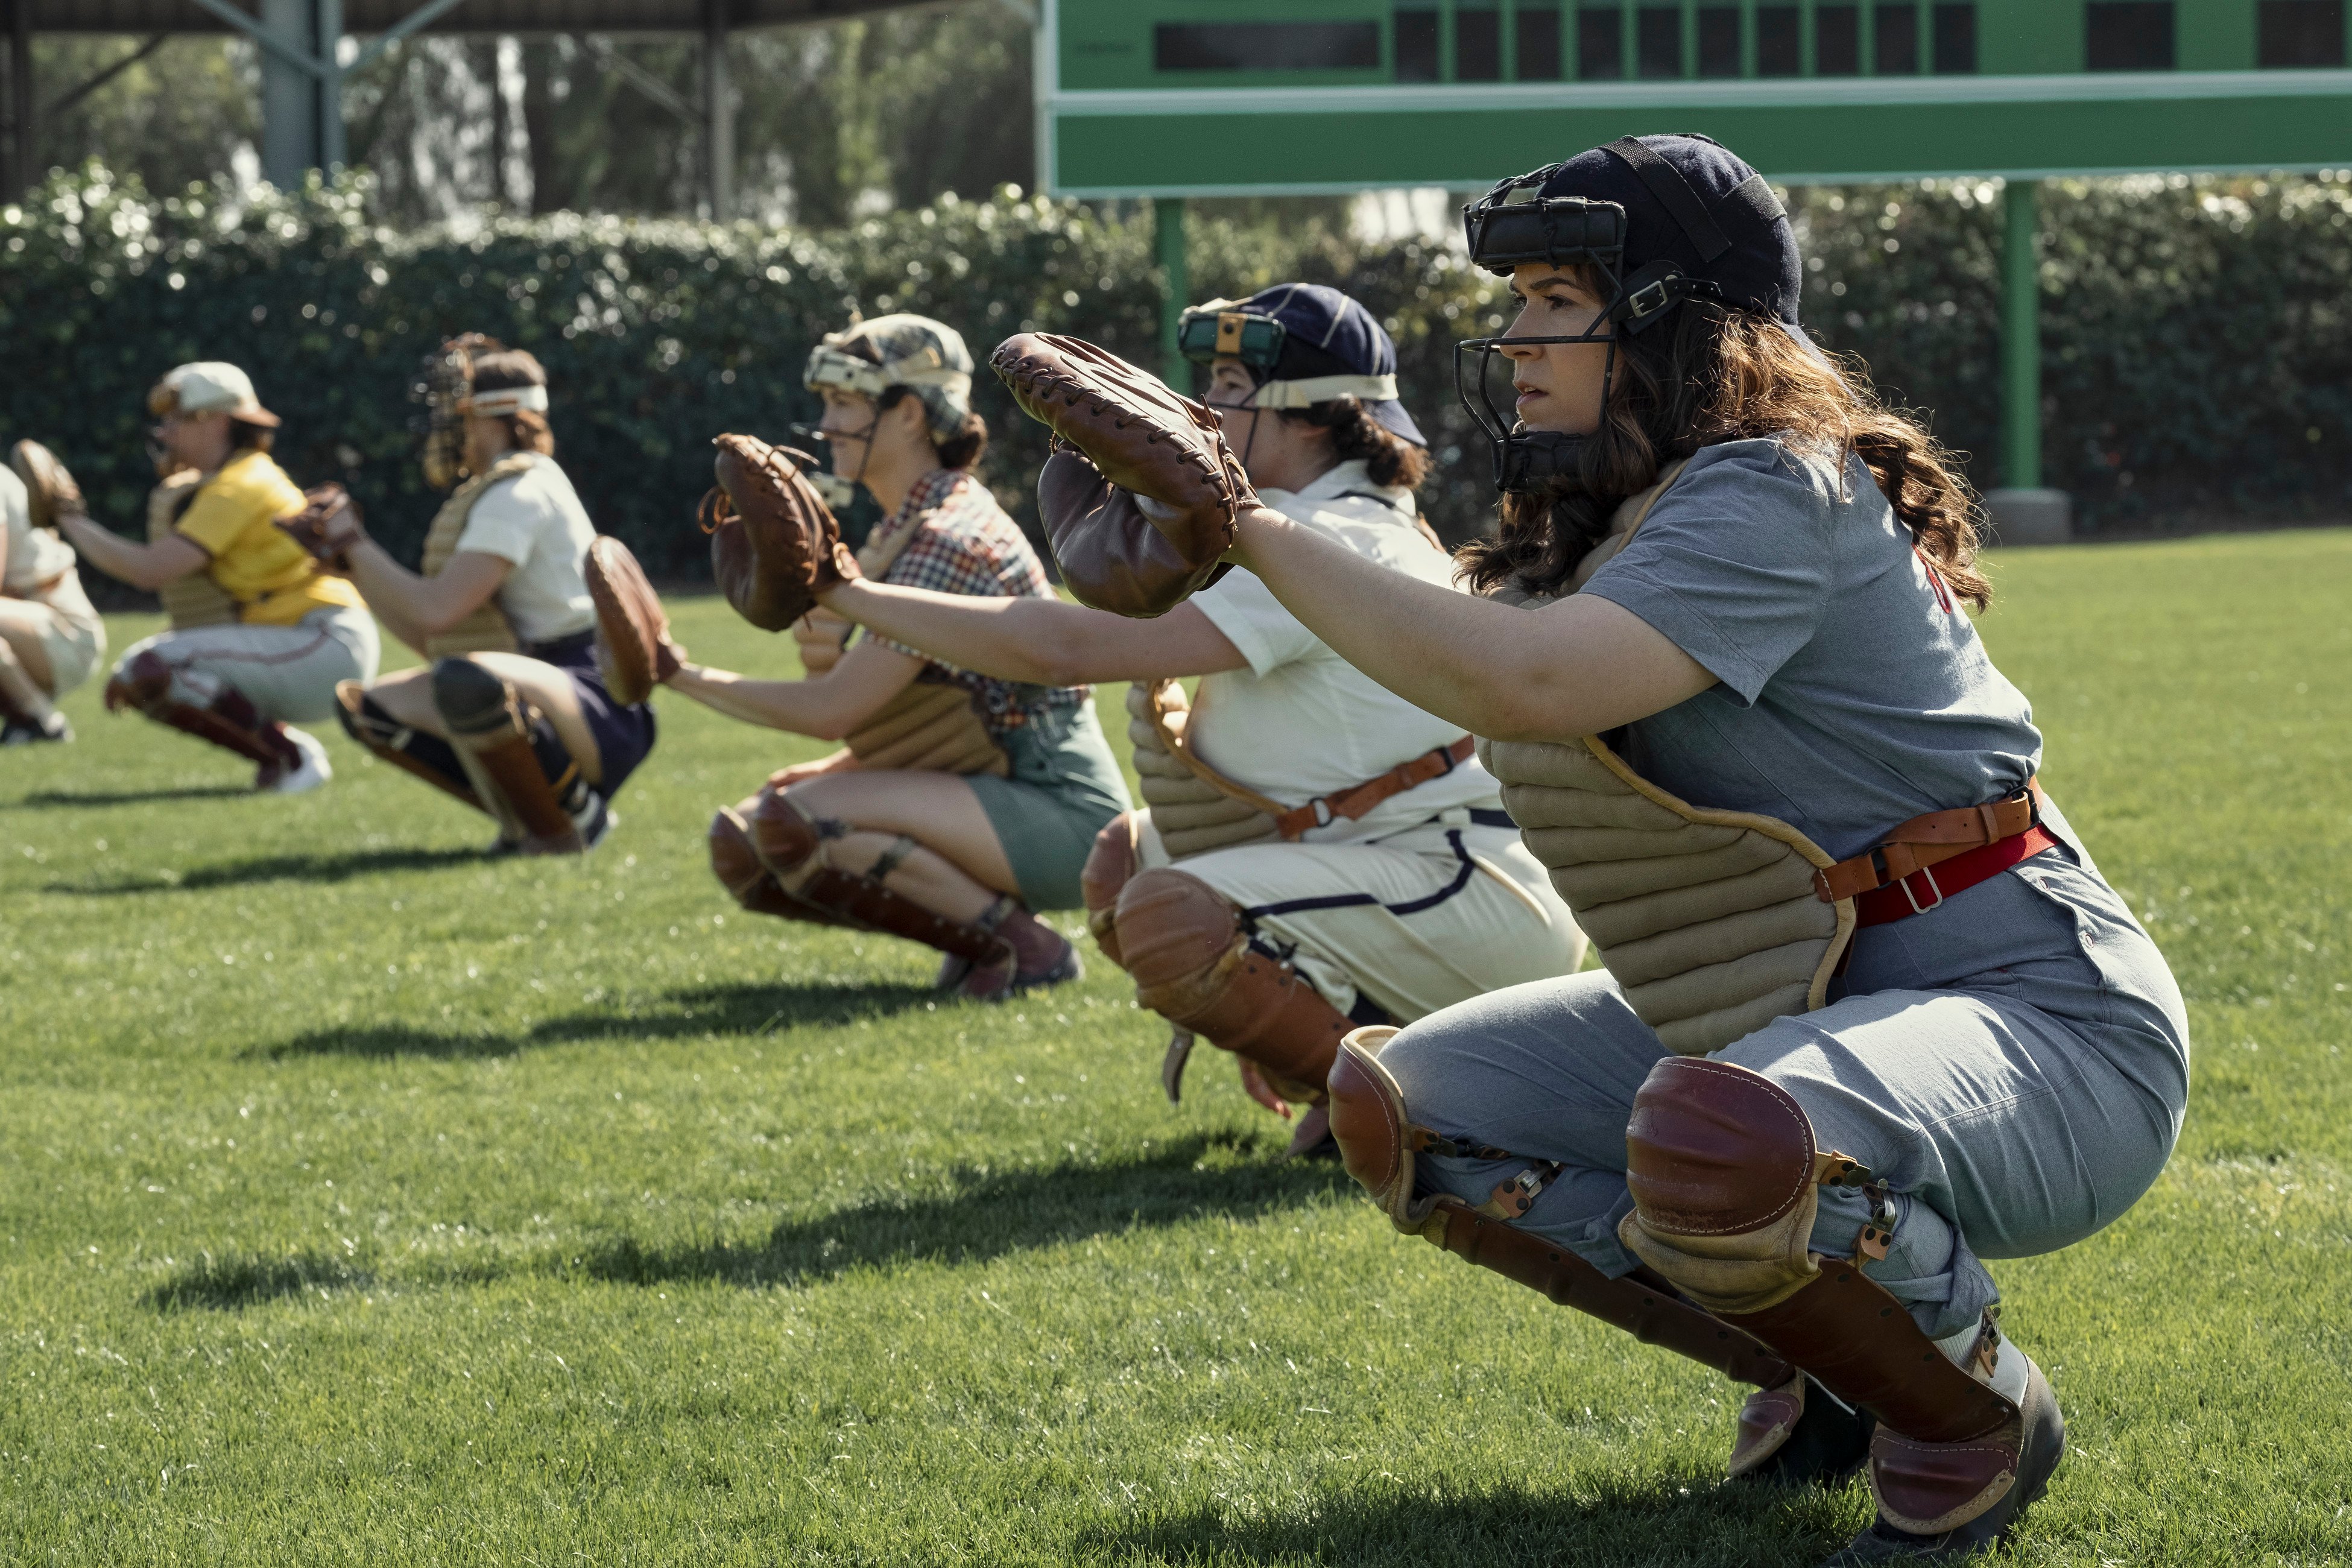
{"points": [[1658, 220]]}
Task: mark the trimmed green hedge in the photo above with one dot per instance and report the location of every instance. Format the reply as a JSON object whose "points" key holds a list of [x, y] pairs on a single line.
{"points": [[2196, 348]]}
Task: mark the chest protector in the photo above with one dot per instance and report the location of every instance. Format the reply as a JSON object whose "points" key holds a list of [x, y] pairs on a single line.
{"points": [[194, 600], [487, 630], [930, 726], [1707, 920]]}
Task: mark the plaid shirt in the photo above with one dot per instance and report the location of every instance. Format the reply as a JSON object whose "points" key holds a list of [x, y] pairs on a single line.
{"points": [[965, 544]]}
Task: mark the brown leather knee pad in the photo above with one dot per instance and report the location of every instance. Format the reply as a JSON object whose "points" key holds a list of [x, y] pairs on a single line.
{"points": [[1721, 1163], [736, 865], [1111, 865], [782, 837], [1193, 964]]}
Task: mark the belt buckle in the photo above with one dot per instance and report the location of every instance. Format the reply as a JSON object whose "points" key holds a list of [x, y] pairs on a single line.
{"points": [[1322, 805], [1917, 907]]}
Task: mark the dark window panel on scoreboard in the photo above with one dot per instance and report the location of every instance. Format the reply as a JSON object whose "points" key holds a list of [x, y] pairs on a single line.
{"points": [[1416, 44], [1837, 40], [1477, 41], [1718, 41], [2127, 36], [1600, 43], [1894, 39], [1779, 40], [1955, 39], [2292, 35], [1266, 45], [1537, 39], [1659, 39]]}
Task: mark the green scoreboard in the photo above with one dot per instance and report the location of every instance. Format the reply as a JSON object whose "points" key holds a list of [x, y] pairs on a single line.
{"points": [[1256, 97]]}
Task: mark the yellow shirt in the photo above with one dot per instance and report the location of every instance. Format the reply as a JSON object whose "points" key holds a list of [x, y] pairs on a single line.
{"points": [[234, 520]]}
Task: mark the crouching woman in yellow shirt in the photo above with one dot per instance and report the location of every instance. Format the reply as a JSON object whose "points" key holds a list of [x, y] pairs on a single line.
{"points": [[289, 631]]}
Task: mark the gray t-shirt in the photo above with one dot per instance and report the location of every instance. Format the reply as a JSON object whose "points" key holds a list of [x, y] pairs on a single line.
{"points": [[1852, 694]]}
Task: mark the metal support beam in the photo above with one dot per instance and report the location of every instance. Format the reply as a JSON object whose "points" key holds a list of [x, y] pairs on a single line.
{"points": [[719, 112], [2020, 338], [2021, 512], [23, 122], [1167, 225]]}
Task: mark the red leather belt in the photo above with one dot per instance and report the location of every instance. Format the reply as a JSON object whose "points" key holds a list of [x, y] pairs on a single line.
{"points": [[1930, 885], [1930, 858]]}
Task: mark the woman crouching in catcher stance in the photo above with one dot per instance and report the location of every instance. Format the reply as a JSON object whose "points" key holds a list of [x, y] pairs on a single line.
{"points": [[512, 715], [1316, 852], [1871, 1012], [961, 801], [260, 634]]}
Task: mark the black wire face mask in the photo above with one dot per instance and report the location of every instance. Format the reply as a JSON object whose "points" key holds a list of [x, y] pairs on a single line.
{"points": [[1510, 227]]}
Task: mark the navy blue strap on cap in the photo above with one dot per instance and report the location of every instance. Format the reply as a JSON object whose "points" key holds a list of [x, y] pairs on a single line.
{"points": [[1673, 192]]}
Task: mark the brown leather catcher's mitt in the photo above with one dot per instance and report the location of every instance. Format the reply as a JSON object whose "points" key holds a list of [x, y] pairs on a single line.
{"points": [[774, 544], [50, 491], [633, 645], [326, 526], [1141, 496]]}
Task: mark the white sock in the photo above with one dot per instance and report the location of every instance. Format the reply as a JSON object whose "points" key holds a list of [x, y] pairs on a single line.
{"points": [[2008, 1378]]}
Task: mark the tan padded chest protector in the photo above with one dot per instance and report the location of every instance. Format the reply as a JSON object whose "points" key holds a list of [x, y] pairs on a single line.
{"points": [[487, 630], [194, 600], [1707, 920], [1194, 807], [930, 726]]}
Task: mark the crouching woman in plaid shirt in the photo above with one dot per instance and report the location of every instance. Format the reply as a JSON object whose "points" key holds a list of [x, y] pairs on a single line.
{"points": [[961, 803]]}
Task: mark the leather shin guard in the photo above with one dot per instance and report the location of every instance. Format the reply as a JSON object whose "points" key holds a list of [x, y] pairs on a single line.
{"points": [[737, 866], [232, 722], [1378, 1145], [505, 759], [1194, 966], [412, 751], [1111, 865], [1726, 1182], [792, 849]]}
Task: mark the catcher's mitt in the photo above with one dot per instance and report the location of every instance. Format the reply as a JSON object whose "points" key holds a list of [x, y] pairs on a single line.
{"points": [[774, 544], [50, 491], [1141, 496], [326, 526], [633, 645]]}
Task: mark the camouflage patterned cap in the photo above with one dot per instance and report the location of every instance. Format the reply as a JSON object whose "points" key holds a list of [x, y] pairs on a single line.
{"points": [[913, 351]]}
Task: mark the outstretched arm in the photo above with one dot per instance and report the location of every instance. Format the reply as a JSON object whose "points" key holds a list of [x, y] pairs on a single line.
{"points": [[148, 566], [1042, 641], [417, 607], [827, 705], [1575, 667]]}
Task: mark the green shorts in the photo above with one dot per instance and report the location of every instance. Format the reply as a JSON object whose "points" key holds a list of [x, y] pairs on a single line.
{"points": [[1063, 787]]}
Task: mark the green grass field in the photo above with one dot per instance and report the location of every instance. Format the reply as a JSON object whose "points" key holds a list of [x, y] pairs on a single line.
{"points": [[361, 1200]]}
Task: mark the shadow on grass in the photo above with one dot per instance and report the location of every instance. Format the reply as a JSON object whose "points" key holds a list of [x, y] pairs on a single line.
{"points": [[228, 1284], [276, 868], [696, 1011], [1657, 1518], [52, 799], [991, 1215]]}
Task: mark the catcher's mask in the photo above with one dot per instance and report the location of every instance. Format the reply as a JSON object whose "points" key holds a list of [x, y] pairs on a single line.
{"points": [[1639, 215], [447, 392]]}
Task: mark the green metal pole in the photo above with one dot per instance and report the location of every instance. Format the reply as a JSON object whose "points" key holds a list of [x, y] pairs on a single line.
{"points": [[2020, 339], [1168, 219]]}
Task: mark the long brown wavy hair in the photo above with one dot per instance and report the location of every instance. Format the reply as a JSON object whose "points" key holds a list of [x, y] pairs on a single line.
{"points": [[1714, 375]]}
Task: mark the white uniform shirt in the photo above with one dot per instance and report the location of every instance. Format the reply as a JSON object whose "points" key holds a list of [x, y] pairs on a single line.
{"points": [[35, 554], [535, 520], [1301, 722]]}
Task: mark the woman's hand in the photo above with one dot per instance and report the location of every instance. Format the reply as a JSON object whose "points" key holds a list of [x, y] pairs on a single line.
{"points": [[841, 762]]}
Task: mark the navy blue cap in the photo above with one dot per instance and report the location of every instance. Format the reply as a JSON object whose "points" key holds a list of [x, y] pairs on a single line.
{"points": [[1689, 200], [1326, 334]]}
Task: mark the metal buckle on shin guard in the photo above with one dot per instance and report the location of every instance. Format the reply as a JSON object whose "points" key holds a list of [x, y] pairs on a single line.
{"points": [[1509, 1199], [1878, 1233]]}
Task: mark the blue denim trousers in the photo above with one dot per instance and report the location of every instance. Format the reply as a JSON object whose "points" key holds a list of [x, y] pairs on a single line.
{"points": [[2013, 1065]]}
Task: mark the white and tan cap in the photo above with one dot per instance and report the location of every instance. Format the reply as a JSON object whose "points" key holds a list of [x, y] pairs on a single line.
{"points": [[209, 386], [914, 352]]}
